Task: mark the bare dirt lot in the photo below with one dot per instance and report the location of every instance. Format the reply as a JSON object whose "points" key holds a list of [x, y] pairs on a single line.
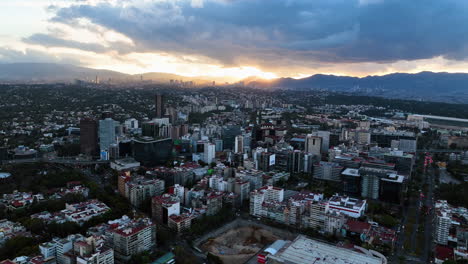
{"points": [[238, 245]]}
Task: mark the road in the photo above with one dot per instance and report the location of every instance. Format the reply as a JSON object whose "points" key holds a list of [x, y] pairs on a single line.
{"points": [[414, 210], [428, 225]]}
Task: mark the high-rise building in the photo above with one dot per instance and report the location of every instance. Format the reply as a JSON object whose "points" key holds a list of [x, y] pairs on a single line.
{"points": [[151, 152], [351, 180], [443, 222], [89, 136], [325, 136], [107, 133], [313, 145], [239, 144], [229, 135], [159, 106], [370, 182], [219, 145], [209, 152]]}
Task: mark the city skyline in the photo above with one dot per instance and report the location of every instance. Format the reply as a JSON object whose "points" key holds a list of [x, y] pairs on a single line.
{"points": [[238, 39]]}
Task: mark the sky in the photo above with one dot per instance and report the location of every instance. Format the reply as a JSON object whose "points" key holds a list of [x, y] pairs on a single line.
{"points": [[239, 38]]}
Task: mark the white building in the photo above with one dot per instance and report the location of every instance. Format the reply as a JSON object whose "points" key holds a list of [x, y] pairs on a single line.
{"points": [[209, 152], [351, 207], [239, 144], [264, 194]]}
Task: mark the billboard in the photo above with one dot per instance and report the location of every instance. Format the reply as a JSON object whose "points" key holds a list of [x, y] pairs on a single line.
{"points": [[272, 159]]}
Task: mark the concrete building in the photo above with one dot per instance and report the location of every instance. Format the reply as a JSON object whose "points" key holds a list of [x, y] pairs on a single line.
{"points": [[140, 189], [164, 206], [180, 223], [133, 237], [313, 145], [351, 207], [209, 152], [327, 171], [325, 136], [264, 194], [242, 189], [239, 144]]}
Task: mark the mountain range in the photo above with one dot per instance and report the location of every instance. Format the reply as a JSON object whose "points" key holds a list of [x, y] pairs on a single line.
{"points": [[51, 72], [432, 86]]}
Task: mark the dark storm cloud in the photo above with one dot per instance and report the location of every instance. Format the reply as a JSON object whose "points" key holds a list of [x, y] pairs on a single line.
{"points": [[236, 31]]}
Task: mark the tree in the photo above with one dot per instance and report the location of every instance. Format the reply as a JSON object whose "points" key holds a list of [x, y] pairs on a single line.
{"points": [[17, 246], [214, 259]]}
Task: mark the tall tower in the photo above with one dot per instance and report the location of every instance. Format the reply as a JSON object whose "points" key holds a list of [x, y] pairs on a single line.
{"points": [[89, 136], [159, 105]]}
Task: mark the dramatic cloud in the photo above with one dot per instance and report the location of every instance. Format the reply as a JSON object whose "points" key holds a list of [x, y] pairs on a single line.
{"points": [[324, 30], [278, 35]]}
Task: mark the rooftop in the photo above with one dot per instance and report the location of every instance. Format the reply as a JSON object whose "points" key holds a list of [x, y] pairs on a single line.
{"points": [[304, 250]]}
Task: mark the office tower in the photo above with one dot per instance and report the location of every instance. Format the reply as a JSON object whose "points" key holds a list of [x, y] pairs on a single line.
{"points": [[239, 144], [89, 136], [151, 152], [325, 135], [391, 188], [296, 161], [113, 151], [370, 182], [107, 133], [218, 145], [327, 171], [156, 128], [229, 136], [313, 145], [209, 152], [351, 180], [159, 106]]}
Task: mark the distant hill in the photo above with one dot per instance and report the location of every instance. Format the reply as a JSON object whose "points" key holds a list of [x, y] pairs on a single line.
{"points": [[426, 85], [50, 72], [432, 86]]}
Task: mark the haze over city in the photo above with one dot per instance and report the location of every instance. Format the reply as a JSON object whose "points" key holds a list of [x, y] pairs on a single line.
{"points": [[241, 38]]}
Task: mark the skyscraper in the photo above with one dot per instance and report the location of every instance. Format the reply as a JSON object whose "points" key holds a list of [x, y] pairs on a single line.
{"points": [[313, 144], [89, 136], [159, 105], [107, 135]]}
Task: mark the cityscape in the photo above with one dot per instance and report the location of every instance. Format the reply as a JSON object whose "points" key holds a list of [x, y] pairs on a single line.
{"points": [[227, 132]]}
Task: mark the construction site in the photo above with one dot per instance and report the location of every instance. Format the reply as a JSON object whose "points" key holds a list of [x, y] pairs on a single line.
{"points": [[240, 244]]}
